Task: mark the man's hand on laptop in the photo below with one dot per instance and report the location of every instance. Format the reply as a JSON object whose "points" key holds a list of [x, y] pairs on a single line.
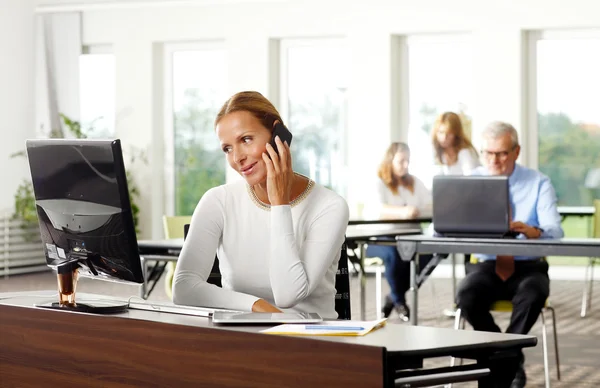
{"points": [[528, 231]]}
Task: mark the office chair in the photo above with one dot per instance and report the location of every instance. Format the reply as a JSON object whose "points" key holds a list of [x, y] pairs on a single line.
{"points": [[507, 306], [588, 281], [342, 280]]}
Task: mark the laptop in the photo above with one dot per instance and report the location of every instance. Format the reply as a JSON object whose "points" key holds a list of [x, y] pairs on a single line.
{"points": [[248, 318], [472, 206], [176, 309]]}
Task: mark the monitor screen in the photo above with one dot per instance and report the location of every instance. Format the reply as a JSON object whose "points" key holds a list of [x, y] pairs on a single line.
{"points": [[83, 207]]}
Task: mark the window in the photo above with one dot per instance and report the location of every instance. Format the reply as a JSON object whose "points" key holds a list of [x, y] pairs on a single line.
{"points": [[97, 91], [195, 90], [566, 114], [440, 72], [314, 104]]}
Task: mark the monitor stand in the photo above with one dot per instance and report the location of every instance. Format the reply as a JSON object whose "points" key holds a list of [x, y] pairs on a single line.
{"points": [[67, 276]]}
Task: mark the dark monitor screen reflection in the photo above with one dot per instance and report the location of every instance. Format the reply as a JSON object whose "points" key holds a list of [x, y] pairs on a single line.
{"points": [[85, 216]]}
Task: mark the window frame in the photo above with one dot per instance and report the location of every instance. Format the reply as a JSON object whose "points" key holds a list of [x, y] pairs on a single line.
{"points": [[100, 49], [168, 123], [285, 44], [532, 137]]}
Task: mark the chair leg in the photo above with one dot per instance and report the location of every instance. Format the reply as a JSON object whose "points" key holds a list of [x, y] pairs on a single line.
{"points": [[144, 272], [459, 324], [590, 293], [545, 350], [555, 341], [587, 287], [378, 291]]}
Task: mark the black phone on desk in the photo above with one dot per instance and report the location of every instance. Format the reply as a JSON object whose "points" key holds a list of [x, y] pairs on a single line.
{"points": [[284, 135]]}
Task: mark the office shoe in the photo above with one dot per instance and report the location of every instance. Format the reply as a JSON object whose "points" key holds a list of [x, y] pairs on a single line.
{"points": [[520, 379], [403, 312], [388, 306], [401, 309]]}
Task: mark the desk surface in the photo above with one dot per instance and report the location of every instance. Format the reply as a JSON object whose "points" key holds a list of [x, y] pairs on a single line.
{"points": [[378, 221], [506, 246], [562, 210], [576, 210], [397, 339], [354, 233]]}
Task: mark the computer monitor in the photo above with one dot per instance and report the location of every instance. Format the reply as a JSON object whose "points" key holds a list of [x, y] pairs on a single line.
{"points": [[85, 216]]}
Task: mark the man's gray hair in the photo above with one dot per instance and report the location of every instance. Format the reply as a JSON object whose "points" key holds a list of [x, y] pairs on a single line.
{"points": [[495, 129]]}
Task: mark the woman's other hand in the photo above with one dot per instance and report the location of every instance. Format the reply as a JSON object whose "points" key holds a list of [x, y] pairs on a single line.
{"points": [[280, 175], [262, 306]]}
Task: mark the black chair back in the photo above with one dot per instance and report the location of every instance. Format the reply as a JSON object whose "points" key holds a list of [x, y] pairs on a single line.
{"points": [[342, 280], [342, 286], [215, 273]]}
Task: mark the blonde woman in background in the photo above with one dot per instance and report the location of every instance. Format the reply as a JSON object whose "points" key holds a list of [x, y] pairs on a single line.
{"points": [[454, 154]]}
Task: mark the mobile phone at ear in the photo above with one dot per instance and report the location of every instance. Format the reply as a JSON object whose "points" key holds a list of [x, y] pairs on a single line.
{"points": [[283, 133]]}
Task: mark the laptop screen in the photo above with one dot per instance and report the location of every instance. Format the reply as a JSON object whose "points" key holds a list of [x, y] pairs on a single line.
{"points": [[471, 204]]}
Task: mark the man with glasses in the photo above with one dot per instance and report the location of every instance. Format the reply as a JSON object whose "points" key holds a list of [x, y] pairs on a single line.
{"points": [[520, 279]]}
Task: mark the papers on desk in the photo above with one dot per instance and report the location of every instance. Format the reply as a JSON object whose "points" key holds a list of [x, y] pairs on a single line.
{"points": [[341, 328]]}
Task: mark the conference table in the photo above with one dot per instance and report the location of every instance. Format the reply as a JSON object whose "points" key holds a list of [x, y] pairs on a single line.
{"points": [[49, 348], [577, 211], [410, 246], [163, 251]]}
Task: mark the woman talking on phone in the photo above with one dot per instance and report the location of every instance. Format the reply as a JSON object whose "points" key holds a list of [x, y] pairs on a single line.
{"points": [[277, 233]]}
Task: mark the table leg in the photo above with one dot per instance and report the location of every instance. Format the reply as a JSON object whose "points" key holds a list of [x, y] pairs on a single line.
{"points": [[363, 281], [451, 312], [414, 268]]}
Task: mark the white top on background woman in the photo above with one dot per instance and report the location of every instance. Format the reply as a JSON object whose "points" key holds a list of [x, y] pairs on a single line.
{"points": [[400, 194], [278, 235], [454, 153]]}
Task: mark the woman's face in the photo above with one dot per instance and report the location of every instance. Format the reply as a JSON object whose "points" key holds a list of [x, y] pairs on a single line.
{"points": [[400, 164], [243, 140], [445, 136]]}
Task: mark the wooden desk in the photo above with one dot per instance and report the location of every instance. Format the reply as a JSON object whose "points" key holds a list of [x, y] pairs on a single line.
{"points": [[50, 348]]}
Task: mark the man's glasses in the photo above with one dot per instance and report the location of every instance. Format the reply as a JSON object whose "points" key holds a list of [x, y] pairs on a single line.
{"points": [[502, 155]]}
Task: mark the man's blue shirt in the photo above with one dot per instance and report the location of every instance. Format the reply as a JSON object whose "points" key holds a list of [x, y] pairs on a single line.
{"points": [[533, 202]]}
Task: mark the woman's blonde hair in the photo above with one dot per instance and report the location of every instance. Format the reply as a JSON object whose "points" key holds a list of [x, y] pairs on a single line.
{"points": [[452, 120], [386, 170], [254, 103]]}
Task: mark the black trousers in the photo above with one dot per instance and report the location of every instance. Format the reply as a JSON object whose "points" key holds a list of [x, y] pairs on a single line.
{"points": [[528, 288]]}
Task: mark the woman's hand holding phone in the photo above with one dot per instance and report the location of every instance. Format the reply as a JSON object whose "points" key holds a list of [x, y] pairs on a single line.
{"points": [[280, 175]]}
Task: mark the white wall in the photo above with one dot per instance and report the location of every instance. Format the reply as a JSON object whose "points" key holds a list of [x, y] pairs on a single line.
{"points": [[16, 93], [498, 28]]}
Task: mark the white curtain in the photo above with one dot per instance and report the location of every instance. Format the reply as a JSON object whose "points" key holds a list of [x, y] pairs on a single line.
{"points": [[58, 46]]}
